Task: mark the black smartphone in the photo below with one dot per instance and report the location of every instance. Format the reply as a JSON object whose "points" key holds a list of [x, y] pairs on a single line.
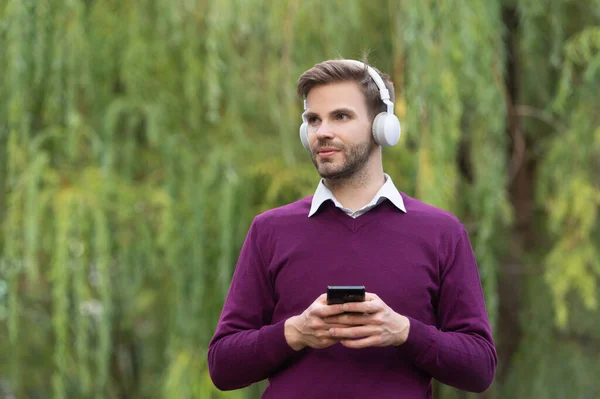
{"points": [[345, 293]]}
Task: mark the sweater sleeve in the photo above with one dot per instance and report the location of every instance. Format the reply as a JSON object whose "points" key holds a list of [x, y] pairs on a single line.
{"points": [[459, 351], [246, 347]]}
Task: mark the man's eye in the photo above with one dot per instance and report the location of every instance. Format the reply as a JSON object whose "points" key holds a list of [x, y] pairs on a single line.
{"points": [[342, 117], [311, 120]]}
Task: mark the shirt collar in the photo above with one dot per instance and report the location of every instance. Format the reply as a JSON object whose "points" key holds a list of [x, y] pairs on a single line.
{"points": [[388, 190]]}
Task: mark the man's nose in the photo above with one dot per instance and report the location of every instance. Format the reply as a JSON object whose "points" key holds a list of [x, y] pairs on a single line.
{"points": [[324, 131]]}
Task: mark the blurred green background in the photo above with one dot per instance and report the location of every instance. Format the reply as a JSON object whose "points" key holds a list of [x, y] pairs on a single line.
{"points": [[139, 138]]}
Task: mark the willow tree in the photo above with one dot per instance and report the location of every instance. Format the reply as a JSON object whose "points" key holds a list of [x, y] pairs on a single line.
{"points": [[138, 140]]}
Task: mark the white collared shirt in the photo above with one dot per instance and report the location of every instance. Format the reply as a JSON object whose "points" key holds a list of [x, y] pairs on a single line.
{"points": [[388, 190]]}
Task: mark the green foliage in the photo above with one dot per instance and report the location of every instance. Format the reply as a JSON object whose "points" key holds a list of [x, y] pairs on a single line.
{"points": [[139, 139], [569, 185]]}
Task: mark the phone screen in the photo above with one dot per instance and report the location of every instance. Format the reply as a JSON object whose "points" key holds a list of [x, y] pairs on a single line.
{"points": [[337, 294]]}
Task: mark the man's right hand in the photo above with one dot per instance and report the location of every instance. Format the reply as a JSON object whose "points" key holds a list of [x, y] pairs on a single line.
{"points": [[309, 329]]}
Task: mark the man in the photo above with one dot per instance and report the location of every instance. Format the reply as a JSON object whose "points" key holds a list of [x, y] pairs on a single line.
{"points": [[424, 315]]}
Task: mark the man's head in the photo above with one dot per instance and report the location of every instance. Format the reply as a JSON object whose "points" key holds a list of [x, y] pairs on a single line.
{"points": [[342, 100]]}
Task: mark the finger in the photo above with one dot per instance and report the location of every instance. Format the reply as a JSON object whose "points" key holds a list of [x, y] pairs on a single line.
{"points": [[322, 343], [369, 296], [327, 310], [371, 306], [355, 332], [322, 299], [336, 325], [322, 334], [350, 319], [374, 340], [316, 324]]}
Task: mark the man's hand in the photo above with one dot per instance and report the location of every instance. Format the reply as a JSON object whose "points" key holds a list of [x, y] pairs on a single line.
{"points": [[375, 325], [310, 329]]}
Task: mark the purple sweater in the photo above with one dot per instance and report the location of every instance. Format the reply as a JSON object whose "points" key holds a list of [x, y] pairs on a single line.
{"points": [[420, 263]]}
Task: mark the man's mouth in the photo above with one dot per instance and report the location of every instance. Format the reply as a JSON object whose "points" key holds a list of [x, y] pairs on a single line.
{"points": [[326, 152]]}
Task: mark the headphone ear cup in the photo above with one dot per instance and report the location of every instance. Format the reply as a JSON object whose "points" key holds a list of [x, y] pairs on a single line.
{"points": [[304, 135], [386, 129]]}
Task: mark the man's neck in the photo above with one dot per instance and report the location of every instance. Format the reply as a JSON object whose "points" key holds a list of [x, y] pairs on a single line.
{"points": [[357, 191]]}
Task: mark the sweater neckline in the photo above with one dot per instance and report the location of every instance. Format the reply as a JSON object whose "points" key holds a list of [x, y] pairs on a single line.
{"points": [[355, 224]]}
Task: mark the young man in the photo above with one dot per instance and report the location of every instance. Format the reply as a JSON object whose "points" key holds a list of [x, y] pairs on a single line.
{"points": [[424, 315]]}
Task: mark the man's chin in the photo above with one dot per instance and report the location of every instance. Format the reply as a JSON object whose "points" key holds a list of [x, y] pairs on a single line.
{"points": [[329, 174], [330, 170]]}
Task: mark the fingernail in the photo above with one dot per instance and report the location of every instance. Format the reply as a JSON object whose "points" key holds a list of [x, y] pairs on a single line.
{"points": [[331, 332]]}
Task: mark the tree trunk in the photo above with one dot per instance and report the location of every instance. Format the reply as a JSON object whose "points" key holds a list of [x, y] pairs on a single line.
{"points": [[521, 194]]}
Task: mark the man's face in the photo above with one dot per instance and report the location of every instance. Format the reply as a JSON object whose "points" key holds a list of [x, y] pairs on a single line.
{"points": [[339, 129]]}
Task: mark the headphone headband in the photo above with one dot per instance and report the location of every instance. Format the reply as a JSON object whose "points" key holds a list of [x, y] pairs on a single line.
{"points": [[383, 91]]}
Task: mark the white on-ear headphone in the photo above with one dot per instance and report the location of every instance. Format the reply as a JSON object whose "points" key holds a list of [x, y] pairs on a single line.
{"points": [[386, 126]]}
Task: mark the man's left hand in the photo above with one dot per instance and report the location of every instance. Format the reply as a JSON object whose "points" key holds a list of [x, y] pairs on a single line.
{"points": [[374, 324]]}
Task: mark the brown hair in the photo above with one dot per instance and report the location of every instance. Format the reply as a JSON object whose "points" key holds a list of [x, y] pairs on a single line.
{"points": [[339, 70]]}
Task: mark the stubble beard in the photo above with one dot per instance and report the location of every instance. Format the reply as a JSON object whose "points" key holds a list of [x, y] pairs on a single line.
{"points": [[355, 158]]}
